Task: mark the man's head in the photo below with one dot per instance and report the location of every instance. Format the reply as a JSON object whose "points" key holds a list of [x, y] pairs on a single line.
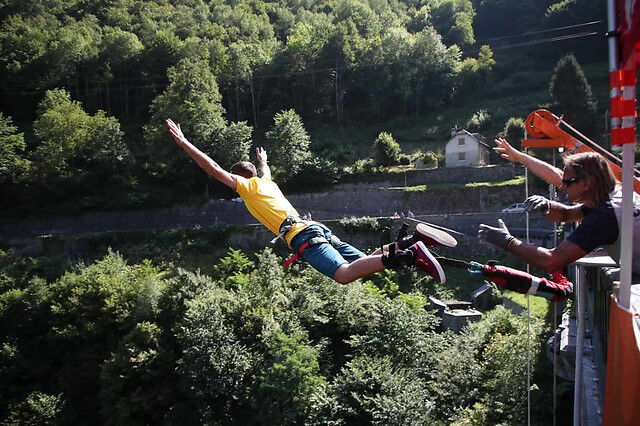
{"points": [[245, 169], [587, 178]]}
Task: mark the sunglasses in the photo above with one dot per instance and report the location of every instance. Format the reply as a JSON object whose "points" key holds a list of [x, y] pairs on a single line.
{"points": [[567, 182]]}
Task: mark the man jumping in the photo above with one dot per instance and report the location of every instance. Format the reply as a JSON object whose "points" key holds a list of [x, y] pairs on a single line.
{"points": [[313, 241]]}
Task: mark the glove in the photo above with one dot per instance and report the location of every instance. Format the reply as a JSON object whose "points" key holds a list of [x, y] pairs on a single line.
{"points": [[499, 237], [537, 203]]}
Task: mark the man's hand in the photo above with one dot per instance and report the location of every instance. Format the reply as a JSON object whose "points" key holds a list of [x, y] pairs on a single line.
{"points": [[263, 167], [506, 151], [537, 203], [500, 237], [261, 154], [176, 132]]}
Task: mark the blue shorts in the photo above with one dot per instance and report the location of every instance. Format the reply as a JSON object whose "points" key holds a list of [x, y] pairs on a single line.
{"points": [[325, 258]]}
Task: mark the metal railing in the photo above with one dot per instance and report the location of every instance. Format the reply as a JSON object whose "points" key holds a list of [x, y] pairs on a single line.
{"points": [[592, 291]]}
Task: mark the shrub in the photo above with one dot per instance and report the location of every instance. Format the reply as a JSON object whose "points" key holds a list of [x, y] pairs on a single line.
{"points": [[360, 224], [315, 172], [386, 150], [378, 391], [288, 379], [37, 408], [136, 381], [513, 131], [479, 121]]}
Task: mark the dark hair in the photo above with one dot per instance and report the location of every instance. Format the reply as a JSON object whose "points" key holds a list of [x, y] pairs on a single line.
{"points": [[245, 169], [593, 166]]}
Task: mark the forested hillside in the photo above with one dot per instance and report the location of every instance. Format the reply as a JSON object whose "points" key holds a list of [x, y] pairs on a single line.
{"points": [[161, 328], [85, 85]]}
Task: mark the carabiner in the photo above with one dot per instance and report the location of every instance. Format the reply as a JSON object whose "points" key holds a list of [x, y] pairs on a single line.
{"points": [[475, 267]]}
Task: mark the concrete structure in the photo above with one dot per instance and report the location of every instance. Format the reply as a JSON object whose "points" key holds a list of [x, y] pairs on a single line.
{"points": [[467, 149], [456, 319], [455, 314], [483, 298]]}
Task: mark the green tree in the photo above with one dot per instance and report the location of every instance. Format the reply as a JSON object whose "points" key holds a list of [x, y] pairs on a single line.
{"points": [[13, 165], [193, 100], [288, 380], [386, 150], [37, 408], [290, 144], [73, 144], [453, 19], [513, 131], [136, 381], [573, 97], [376, 391]]}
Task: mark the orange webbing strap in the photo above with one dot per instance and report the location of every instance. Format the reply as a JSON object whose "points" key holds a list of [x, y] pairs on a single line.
{"points": [[310, 242], [296, 256]]}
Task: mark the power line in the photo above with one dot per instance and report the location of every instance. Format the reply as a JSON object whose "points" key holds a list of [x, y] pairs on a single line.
{"points": [[540, 32]]}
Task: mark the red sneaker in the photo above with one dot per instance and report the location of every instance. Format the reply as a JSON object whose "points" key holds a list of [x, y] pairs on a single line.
{"points": [[426, 261], [434, 237]]}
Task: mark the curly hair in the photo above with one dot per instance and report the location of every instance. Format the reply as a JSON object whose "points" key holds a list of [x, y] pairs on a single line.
{"points": [[594, 167]]}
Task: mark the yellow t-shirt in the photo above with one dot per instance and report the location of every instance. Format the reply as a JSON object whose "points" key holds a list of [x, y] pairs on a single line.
{"points": [[265, 202]]}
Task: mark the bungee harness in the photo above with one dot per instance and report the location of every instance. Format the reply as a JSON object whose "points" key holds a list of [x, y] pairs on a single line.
{"points": [[286, 226]]}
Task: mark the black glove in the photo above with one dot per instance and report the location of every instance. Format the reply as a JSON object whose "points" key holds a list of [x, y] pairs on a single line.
{"points": [[499, 237], [537, 203]]}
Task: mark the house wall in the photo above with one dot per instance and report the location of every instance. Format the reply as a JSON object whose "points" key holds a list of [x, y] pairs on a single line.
{"points": [[470, 148]]}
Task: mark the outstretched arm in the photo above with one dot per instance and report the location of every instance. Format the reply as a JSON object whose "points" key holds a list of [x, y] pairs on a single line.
{"points": [[264, 169], [546, 171], [206, 163]]}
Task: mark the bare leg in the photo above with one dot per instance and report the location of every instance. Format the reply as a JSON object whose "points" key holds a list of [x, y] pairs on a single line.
{"points": [[362, 267]]}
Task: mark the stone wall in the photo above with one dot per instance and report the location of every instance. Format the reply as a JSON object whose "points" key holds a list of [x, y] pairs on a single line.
{"points": [[341, 201], [446, 175], [464, 228]]}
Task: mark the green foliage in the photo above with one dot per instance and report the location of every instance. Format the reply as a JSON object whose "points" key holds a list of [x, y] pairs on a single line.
{"points": [[193, 100], [453, 19], [315, 172], [288, 380], [215, 363], [479, 121], [251, 345], [377, 391], [474, 73], [513, 131], [137, 380], [290, 142], [71, 141], [386, 150], [104, 295], [359, 224], [37, 408], [573, 97], [13, 165], [232, 269]]}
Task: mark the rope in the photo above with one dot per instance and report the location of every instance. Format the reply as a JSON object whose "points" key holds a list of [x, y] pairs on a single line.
{"points": [[554, 194], [526, 189]]}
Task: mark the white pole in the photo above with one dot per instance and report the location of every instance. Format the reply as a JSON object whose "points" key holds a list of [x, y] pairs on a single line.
{"points": [[626, 242], [580, 317], [628, 160]]}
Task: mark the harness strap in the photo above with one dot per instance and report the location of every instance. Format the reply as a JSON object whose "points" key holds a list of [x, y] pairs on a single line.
{"points": [[286, 226], [310, 243]]}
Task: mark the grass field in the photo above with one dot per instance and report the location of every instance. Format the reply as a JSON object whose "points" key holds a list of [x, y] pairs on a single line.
{"points": [[445, 185]]}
